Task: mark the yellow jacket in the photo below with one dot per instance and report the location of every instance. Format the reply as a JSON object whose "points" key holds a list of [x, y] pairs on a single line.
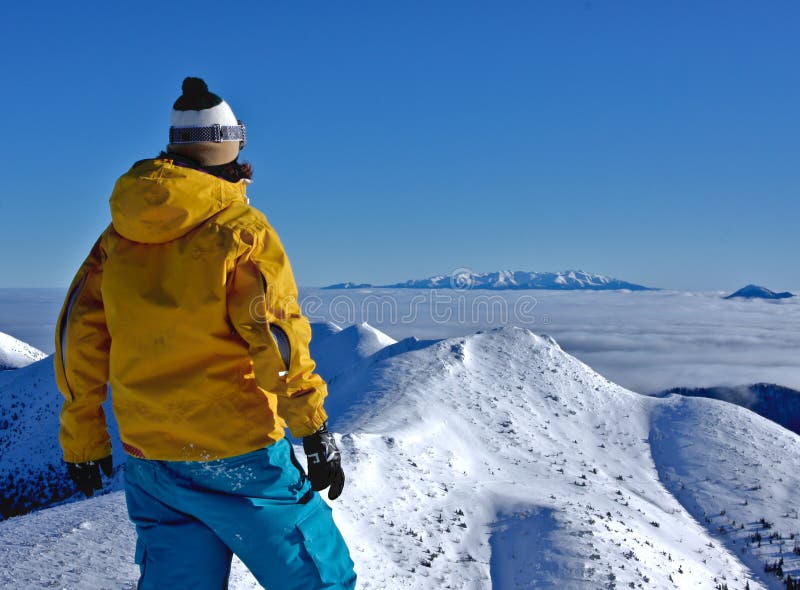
{"points": [[188, 307]]}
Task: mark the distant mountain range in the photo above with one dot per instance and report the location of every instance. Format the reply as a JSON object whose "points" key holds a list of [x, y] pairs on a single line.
{"points": [[756, 292], [508, 280]]}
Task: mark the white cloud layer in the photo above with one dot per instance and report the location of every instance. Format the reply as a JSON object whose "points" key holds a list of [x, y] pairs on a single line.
{"points": [[645, 341]]}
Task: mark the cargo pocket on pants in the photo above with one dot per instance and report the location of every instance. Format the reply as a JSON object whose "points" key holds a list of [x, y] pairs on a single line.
{"points": [[326, 547]]}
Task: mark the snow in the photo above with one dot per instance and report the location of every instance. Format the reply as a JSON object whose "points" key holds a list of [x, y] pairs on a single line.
{"points": [[15, 353], [86, 545], [729, 468], [497, 460], [336, 349], [31, 467], [508, 437]]}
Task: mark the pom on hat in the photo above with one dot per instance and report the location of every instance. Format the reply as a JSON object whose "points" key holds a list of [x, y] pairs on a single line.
{"points": [[196, 96], [194, 86]]}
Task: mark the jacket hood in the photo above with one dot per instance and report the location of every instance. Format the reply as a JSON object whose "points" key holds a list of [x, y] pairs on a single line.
{"points": [[157, 201]]}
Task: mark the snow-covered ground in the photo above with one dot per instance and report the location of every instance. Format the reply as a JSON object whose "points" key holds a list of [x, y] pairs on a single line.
{"points": [[336, 350], [15, 353], [31, 469], [496, 460]]}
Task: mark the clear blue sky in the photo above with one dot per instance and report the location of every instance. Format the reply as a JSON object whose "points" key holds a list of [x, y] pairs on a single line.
{"points": [[658, 142]]}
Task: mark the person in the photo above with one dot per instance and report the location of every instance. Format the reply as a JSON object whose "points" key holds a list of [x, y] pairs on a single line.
{"points": [[187, 307]]}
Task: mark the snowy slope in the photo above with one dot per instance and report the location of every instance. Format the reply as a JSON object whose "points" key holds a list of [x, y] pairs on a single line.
{"points": [[336, 349], [468, 452], [497, 460], [734, 471], [32, 473], [15, 353], [776, 403]]}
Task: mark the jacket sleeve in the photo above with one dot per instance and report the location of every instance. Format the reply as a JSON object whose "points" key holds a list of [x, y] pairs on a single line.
{"points": [[81, 365], [263, 309]]}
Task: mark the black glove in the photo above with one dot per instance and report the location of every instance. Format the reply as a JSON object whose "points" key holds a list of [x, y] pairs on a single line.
{"points": [[87, 475], [324, 462]]}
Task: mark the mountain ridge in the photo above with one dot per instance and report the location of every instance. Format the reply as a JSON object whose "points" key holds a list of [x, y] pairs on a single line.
{"points": [[15, 354], [774, 402], [463, 280], [497, 460]]}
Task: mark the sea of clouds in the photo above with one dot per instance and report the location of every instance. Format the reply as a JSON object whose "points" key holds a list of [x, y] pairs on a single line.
{"points": [[646, 341]]}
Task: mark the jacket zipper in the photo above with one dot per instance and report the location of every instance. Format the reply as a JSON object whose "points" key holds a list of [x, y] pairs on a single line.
{"points": [[279, 335], [284, 346], [73, 298]]}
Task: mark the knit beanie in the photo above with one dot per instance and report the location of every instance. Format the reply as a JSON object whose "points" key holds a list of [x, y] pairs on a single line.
{"points": [[203, 126]]}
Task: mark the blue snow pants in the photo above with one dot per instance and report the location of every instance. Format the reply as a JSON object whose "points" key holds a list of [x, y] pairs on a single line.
{"points": [[191, 517]]}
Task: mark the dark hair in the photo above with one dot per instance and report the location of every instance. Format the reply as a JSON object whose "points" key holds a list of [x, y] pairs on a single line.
{"points": [[232, 171], [246, 170]]}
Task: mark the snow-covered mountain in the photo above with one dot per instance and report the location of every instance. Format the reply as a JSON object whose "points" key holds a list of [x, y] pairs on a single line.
{"points": [[774, 402], [507, 279], [32, 472], [336, 349], [15, 353], [756, 292], [497, 460], [556, 477]]}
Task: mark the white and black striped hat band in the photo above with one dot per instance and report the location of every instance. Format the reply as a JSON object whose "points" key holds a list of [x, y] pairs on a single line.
{"points": [[213, 133]]}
